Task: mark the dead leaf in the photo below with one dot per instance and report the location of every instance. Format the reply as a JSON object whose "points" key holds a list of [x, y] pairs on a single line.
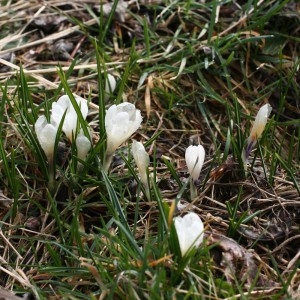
{"points": [[120, 12], [61, 49], [236, 261], [48, 23], [7, 295]]}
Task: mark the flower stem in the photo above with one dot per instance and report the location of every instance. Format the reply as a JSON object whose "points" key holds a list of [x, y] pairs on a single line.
{"points": [[193, 189], [144, 180], [51, 183], [249, 148], [107, 161]]}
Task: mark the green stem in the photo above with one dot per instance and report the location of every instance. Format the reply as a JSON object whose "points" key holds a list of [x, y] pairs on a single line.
{"points": [[107, 162], [193, 189], [51, 183], [146, 185]]}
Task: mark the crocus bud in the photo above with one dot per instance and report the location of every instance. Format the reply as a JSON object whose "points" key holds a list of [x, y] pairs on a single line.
{"points": [[83, 145], [121, 121], [110, 85], [141, 158], [46, 134], [189, 230], [70, 122], [194, 157], [258, 127]]}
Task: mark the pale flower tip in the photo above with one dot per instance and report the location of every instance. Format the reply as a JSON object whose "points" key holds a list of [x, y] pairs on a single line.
{"points": [[190, 231], [140, 156], [110, 84], [194, 157], [260, 122], [83, 145], [40, 124], [65, 105], [46, 134]]}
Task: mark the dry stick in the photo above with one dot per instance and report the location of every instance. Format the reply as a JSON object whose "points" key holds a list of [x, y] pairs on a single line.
{"points": [[33, 17], [51, 37], [5, 294], [14, 274], [9, 39], [42, 80], [52, 70], [10, 245]]}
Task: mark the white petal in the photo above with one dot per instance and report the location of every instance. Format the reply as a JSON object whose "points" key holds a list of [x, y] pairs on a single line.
{"points": [[39, 125], [70, 123], [126, 107], [140, 156], [64, 102], [110, 85], [117, 134], [260, 122], [194, 157], [109, 118], [46, 134], [63, 105], [83, 105], [121, 121], [83, 145], [57, 112], [189, 231]]}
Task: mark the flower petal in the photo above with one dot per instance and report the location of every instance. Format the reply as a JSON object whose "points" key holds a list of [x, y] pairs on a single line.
{"points": [[83, 145], [46, 134], [121, 121], [260, 122], [194, 157], [189, 231]]}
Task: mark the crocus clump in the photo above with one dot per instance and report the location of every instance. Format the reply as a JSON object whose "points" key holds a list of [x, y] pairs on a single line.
{"points": [[257, 128], [64, 105], [47, 131], [189, 230], [121, 121], [141, 158], [194, 157]]}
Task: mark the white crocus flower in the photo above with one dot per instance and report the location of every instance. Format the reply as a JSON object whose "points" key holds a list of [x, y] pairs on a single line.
{"points": [[70, 122], [46, 134], [258, 127], [83, 145], [189, 231], [121, 121], [110, 85], [141, 158], [194, 157]]}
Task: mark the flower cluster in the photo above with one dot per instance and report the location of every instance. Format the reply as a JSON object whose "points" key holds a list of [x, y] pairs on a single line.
{"points": [[63, 111], [121, 121]]}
